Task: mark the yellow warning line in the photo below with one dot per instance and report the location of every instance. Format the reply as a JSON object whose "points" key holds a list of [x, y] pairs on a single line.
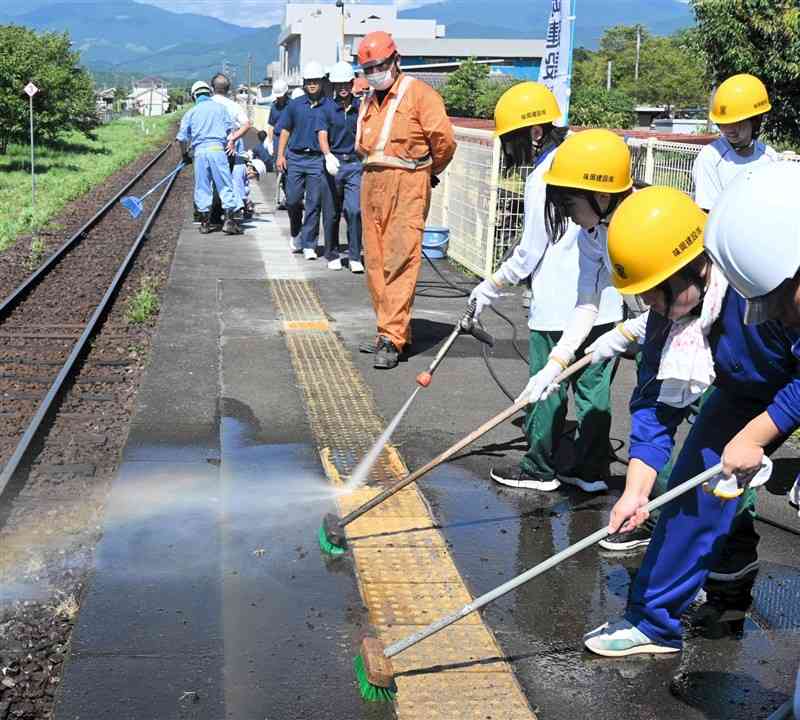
{"points": [[406, 575]]}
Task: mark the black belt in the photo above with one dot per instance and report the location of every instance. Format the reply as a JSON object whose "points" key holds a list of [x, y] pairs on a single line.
{"points": [[306, 151], [346, 157]]}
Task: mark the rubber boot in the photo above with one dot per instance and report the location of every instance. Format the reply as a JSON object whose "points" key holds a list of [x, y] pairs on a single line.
{"points": [[231, 226]]}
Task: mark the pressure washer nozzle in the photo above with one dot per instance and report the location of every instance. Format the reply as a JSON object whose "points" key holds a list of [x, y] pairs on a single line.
{"points": [[424, 379]]}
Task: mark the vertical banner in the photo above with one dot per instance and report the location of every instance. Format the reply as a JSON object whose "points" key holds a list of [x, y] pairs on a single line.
{"points": [[556, 67]]}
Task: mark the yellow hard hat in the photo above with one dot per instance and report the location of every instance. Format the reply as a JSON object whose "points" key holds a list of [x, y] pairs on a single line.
{"points": [[595, 160], [523, 105], [738, 98], [653, 234]]}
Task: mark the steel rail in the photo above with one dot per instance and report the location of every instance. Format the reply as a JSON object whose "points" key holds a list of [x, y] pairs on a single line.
{"points": [[72, 360], [16, 295]]}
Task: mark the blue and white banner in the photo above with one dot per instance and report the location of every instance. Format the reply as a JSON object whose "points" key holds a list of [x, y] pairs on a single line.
{"points": [[556, 68]]}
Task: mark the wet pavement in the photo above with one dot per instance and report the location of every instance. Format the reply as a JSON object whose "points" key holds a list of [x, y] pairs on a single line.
{"points": [[219, 604]]}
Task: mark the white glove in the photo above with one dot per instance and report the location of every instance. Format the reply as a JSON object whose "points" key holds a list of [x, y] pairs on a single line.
{"points": [[730, 488], [270, 149], [483, 294], [249, 155], [609, 345], [331, 164], [542, 385]]}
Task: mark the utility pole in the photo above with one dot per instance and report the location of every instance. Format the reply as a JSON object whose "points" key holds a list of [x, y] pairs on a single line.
{"points": [[638, 51], [340, 5], [249, 74], [608, 76]]}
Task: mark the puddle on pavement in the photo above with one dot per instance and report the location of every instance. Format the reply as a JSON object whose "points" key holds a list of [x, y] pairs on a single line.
{"points": [[292, 617]]}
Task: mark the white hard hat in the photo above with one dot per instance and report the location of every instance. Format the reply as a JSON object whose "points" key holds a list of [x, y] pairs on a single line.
{"points": [[313, 71], [279, 88], [200, 85], [341, 72], [259, 167], [298, 92], [753, 234]]}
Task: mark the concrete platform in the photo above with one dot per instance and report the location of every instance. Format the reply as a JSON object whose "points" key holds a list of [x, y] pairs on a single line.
{"points": [[210, 598]]}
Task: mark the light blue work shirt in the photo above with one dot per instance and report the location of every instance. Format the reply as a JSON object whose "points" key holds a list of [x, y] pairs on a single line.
{"points": [[207, 124]]}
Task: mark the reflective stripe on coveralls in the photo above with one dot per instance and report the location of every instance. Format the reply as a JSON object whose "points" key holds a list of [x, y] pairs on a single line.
{"points": [[377, 157]]}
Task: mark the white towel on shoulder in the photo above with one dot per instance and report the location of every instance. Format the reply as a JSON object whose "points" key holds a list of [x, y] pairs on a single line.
{"points": [[686, 370]]}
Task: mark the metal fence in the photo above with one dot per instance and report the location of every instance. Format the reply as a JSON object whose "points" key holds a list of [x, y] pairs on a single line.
{"points": [[481, 202]]}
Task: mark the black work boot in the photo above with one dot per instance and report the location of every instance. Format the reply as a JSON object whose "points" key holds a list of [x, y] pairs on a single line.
{"points": [[231, 226], [198, 216], [206, 225], [387, 355]]}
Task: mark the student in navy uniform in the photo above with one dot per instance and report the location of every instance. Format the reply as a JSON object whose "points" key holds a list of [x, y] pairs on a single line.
{"points": [[280, 99], [259, 150], [205, 128], [696, 336], [337, 124], [760, 203], [299, 156]]}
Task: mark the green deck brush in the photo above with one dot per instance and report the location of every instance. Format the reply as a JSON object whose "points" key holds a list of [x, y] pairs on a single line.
{"points": [[331, 540], [374, 672]]}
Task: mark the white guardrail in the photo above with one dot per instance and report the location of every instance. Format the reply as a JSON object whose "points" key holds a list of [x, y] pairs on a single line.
{"points": [[482, 204]]}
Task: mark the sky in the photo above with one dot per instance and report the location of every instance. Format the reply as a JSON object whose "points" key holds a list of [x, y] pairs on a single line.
{"points": [[250, 13]]}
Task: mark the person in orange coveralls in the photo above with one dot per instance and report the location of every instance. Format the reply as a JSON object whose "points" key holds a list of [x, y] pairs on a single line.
{"points": [[405, 140]]}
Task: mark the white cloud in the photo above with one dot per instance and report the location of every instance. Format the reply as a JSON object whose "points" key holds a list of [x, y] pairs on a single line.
{"points": [[248, 13]]}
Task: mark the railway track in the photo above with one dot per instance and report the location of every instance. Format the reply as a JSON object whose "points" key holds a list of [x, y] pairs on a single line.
{"points": [[48, 322]]}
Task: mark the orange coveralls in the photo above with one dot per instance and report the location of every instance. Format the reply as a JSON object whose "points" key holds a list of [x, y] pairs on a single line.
{"points": [[396, 193]]}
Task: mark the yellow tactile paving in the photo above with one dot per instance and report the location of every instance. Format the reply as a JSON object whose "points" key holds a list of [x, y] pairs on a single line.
{"points": [[405, 573], [461, 696], [404, 565], [458, 648], [415, 604]]}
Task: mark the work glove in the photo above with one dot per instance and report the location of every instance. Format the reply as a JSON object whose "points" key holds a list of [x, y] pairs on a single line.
{"points": [[483, 295], [731, 487], [249, 155], [332, 164], [434, 181], [610, 344], [542, 385], [270, 149], [187, 158]]}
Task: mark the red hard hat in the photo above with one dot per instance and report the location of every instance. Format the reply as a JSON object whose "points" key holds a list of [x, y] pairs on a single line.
{"points": [[375, 48]]}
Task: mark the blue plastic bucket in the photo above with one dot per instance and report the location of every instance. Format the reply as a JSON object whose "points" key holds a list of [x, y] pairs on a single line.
{"points": [[435, 241]]}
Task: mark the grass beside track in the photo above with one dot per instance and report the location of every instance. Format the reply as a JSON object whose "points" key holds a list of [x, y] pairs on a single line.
{"points": [[68, 169]]}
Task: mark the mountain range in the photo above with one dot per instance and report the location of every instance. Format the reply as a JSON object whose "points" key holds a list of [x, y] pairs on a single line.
{"points": [[123, 36]]}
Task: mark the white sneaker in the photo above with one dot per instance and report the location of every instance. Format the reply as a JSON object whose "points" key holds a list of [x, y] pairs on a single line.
{"points": [[620, 639], [294, 244], [356, 267], [590, 487], [513, 476], [335, 264], [309, 253]]}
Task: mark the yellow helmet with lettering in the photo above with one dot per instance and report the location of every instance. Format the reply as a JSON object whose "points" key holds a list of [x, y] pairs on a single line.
{"points": [[597, 160], [523, 105], [738, 98], [654, 233]]}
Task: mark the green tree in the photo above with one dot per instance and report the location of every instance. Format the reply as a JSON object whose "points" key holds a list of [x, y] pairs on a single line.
{"points": [[66, 100], [761, 37], [671, 70], [463, 87], [597, 107], [488, 96]]}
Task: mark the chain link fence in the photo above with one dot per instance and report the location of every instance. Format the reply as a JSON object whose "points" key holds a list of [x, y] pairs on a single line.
{"points": [[482, 202]]}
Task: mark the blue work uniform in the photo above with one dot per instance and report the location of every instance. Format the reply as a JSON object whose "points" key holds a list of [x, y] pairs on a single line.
{"points": [[345, 187], [206, 126], [240, 182], [756, 371], [260, 152], [305, 169], [275, 115]]}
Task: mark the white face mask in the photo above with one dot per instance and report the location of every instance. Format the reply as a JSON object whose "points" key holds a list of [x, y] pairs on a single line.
{"points": [[381, 81]]}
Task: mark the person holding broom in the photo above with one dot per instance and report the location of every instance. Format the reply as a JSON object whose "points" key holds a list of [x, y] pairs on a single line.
{"points": [[696, 336], [524, 121]]}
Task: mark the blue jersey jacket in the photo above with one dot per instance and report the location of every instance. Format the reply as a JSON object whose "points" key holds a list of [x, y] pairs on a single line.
{"points": [[754, 364]]}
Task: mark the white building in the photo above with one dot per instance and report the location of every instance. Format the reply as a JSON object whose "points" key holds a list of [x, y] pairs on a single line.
{"points": [[317, 31], [313, 31], [149, 97]]}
